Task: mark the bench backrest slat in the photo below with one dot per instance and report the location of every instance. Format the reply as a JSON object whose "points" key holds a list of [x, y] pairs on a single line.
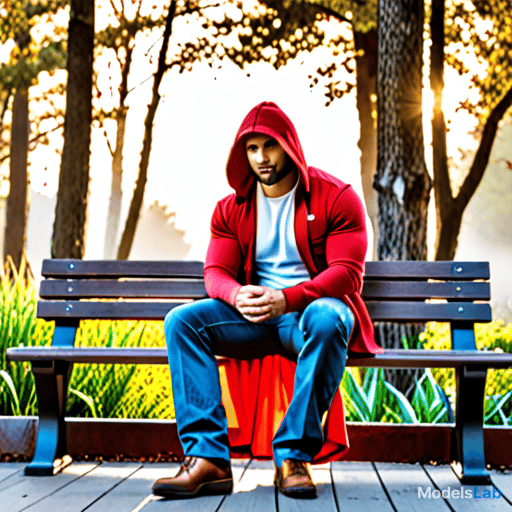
{"points": [[124, 310], [195, 289], [399, 311], [113, 288], [450, 270], [421, 290], [459, 271], [400, 291], [114, 269]]}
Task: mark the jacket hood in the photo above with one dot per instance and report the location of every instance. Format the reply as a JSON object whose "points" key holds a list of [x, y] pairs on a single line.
{"points": [[266, 118]]}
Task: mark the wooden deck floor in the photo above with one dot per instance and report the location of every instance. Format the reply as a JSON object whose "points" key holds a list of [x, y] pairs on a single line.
{"points": [[342, 486]]}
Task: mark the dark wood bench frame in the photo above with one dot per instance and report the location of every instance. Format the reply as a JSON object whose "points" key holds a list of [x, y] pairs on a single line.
{"points": [[403, 291]]}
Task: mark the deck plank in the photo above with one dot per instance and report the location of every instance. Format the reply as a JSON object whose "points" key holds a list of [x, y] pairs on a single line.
{"points": [[88, 489], [8, 469], [254, 492], [20, 491], [358, 488], [503, 481], [201, 503], [135, 490], [402, 481], [324, 501], [475, 496]]}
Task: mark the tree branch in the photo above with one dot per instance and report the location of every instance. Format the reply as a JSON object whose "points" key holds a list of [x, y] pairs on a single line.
{"points": [[328, 11], [482, 155]]}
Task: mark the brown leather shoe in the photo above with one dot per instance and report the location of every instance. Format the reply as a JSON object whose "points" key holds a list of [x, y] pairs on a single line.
{"points": [[294, 479], [196, 476]]}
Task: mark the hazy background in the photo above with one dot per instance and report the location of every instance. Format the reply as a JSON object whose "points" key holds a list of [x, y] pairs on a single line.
{"points": [[195, 126]]}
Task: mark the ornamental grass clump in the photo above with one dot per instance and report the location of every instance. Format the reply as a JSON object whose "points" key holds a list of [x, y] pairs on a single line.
{"points": [[372, 399], [18, 326], [102, 391], [120, 391]]}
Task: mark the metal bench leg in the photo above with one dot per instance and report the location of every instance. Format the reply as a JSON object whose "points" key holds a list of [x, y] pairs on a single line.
{"points": [[51, 379], [469, 436]]}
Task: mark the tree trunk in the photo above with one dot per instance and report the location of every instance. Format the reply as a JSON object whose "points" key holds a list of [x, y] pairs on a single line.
{"points": [[366, 86], [402, 180], [70, 213], [452, 209], [17, 202], [116, 192], [442, 184], [138, 195]]}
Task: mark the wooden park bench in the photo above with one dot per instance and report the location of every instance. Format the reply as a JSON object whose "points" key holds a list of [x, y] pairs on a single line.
{"points": [[404, 291]]}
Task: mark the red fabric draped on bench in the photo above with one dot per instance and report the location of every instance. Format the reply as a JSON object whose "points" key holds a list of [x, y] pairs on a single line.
{"points": [[256, 395]]}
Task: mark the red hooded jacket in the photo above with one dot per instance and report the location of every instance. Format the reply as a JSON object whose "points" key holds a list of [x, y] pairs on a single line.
{"points": [[329, 229], [331, 239]]}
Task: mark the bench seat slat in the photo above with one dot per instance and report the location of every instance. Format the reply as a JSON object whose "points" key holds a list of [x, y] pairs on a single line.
{"points": [[113, 289], [379, 311], [112, 269], [459, 271], [392, 358]]}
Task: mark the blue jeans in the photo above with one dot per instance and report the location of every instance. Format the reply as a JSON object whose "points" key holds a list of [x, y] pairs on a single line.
{"points": [[317, 339]]}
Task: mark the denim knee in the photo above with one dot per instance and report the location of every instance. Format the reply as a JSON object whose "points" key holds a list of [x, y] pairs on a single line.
{"points": [[330, 316], [175, 319]]}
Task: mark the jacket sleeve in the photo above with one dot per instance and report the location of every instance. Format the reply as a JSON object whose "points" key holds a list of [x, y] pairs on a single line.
{"points": [[345, 251], [223, 260]]}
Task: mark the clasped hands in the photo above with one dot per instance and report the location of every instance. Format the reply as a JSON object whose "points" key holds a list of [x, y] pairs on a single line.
{"points": [[260, 303]]}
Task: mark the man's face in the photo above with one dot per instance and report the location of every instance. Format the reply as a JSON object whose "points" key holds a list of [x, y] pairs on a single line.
{"points": [[268, 160]]}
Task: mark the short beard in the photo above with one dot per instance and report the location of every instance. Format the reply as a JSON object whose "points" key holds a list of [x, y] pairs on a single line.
{"points": [[275, 177]]}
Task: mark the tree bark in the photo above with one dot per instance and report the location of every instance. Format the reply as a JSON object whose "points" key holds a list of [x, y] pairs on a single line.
{"points": [[116, 192], [17, 202], [443, 193], [70, 213], [402, 181], [138, 195], [366, 86]]}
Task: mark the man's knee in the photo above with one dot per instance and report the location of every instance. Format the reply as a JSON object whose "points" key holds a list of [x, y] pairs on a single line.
{"points": [[177, 320], [329, 314]]}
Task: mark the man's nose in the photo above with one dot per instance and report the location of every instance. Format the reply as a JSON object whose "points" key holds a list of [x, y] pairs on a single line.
{"points": [[261, 156]]}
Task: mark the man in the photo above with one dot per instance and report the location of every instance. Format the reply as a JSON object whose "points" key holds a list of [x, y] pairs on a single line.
{"points": [[284, 271]]}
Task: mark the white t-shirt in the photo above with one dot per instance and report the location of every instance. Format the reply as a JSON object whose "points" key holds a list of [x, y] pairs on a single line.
{"points": [[278, 262]]}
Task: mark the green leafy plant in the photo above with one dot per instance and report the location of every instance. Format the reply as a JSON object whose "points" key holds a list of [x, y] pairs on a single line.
{"points": [[498, 409], [430, 402], [375, 400]]}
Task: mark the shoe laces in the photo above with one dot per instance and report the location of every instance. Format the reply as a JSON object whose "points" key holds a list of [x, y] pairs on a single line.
{"points": [[187, 463], [297, 468]]}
